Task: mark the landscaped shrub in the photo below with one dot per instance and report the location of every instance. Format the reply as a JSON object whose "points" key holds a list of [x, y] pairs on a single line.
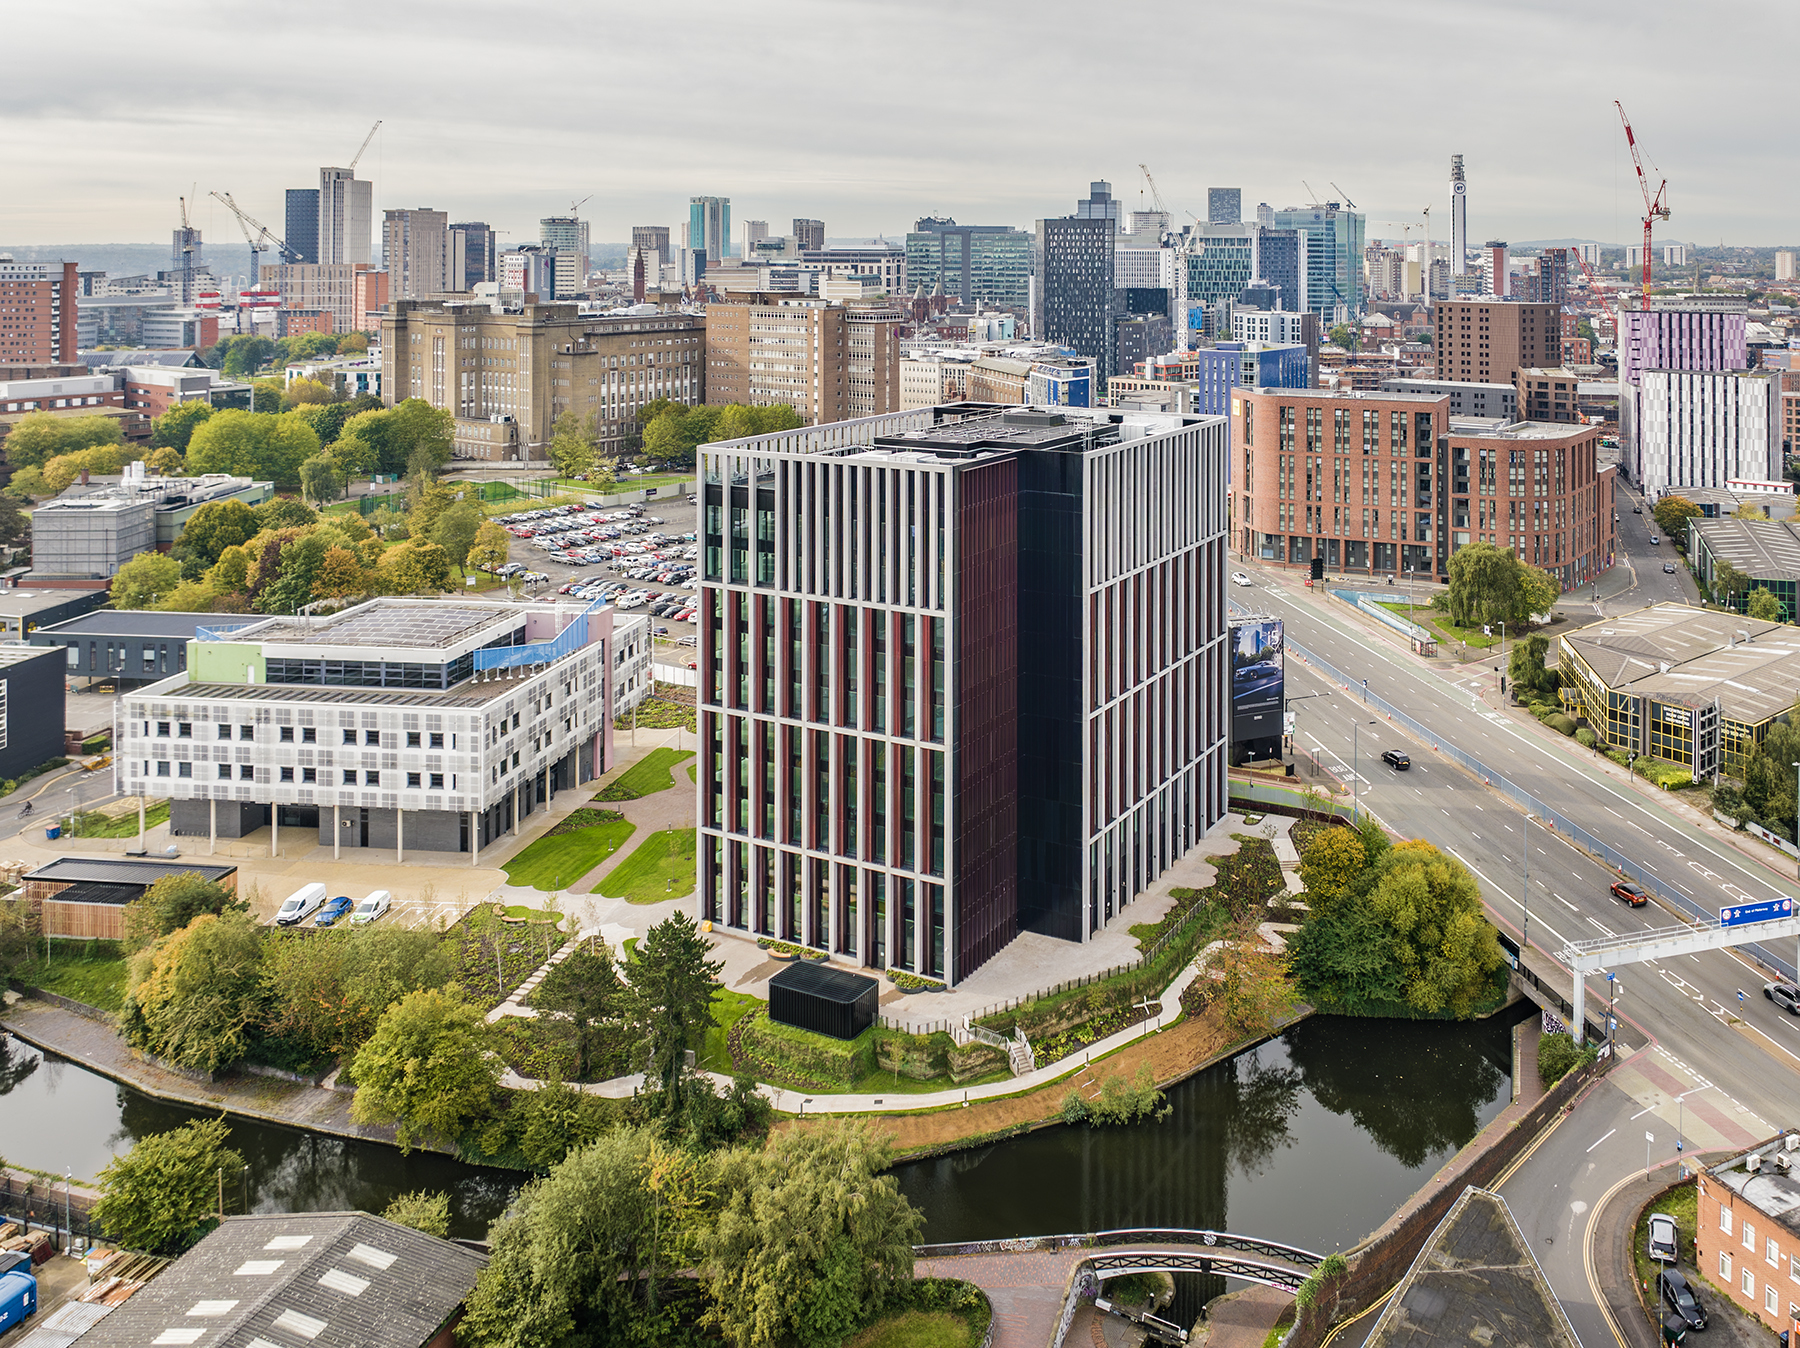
{"points": [[1560, 723], [1557, 1056], [783, 1051], [1585, 737]]}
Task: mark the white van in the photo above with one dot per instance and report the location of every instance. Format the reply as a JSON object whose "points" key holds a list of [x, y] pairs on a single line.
{"points": [[301, 902], [372, 907]]}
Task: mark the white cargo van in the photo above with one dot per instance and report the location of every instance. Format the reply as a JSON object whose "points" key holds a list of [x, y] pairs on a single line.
{"points": [[301, 902], [372, 907]]}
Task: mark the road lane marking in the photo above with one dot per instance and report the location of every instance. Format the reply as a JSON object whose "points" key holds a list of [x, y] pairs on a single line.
{"points": [[1564, 902], [1599, 1140]]}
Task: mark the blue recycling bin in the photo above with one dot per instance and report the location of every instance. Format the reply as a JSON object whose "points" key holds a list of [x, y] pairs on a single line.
{"points": [[53, 832]]}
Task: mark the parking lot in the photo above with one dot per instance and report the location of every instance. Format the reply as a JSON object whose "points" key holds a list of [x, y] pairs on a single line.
{"points": [[643, 559]]}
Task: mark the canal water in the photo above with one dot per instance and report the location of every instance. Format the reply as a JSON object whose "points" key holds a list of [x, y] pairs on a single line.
{"points": [[1312, 1139]]}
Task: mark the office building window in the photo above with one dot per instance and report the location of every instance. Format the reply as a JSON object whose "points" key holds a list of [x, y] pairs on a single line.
{"points": [[437, 781], [309, 735], [184, 769], [437, 740], [287, 774], [162, 769], [412, 739], [374, 736], [246, 732], [412, 780], [184, 730], [224, 732], [371, 779], [246, 773], [349, 737], [309, 774], [162, 730], [224, 772], [349, 776], [287, 734]]}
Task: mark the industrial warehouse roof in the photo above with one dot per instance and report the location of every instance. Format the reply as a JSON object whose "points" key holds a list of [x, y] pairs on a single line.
{"points": [[1692, 656], [130, 623], [299, 1278], [1475, 1282], [1761, 549]]}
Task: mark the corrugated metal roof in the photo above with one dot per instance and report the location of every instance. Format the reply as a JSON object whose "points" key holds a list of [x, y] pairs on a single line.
{"points": [[64, 1325]]}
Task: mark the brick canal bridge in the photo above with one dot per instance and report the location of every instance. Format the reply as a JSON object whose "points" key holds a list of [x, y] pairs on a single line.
{"points": [[1036, 1282]]}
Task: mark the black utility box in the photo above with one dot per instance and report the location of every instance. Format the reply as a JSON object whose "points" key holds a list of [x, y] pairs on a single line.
{"points": [[829, 1001]]}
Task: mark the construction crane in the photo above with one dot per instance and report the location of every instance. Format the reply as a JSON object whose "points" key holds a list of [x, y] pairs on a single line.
{"points": [[259, 241], [365, 145], [577, 205], [1655, 208], [187, 254], [1183, 250], [1346, 196]]}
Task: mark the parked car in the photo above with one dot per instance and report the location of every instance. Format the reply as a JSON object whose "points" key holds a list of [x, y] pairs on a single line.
{"points": [[1668, 568], [1637, 510], [1626, 892], [1672, 1287], [332, 911], [1784, 995], [1654, 540], [1396, 760], [371, 907], [1665, 1241]]}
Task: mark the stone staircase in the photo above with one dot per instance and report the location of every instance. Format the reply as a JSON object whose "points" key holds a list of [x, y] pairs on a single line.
{"points": [[515, 1004]]}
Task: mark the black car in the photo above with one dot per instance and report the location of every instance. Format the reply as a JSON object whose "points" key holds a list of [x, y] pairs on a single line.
{"points": [[1396, 760], [1784, 995], [1673, 1287]]}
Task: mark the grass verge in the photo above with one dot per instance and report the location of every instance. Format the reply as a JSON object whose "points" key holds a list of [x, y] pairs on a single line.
{"points": [[728, 1009], [653, 773], [916, 1329], [559, 859], [92, 972], [1683, 1205], [93, 824], [661, 868]]}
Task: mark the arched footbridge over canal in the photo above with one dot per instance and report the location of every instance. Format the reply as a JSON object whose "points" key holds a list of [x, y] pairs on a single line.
{"points": [[1036, 1282]]}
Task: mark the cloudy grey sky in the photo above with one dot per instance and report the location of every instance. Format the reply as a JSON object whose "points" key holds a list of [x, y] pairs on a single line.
{"points": [[868, 113]]}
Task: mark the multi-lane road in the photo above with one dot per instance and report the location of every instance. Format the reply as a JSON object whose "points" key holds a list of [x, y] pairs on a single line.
{"points": [[1691, 1005]]}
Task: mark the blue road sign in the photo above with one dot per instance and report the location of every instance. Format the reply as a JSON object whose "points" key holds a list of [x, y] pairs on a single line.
{"points": [[1746, 913]]}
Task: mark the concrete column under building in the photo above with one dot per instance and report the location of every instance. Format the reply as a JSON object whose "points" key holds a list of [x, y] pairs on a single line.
{"points": [[399, 835], [274, 830], [474, 839], [337, 832], [141, 843]]}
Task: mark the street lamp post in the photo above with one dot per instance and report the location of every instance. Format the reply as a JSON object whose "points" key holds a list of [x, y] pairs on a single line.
{"points": [[1612, 1000], [1797, 787], [1355, 764], [1525, 936]]}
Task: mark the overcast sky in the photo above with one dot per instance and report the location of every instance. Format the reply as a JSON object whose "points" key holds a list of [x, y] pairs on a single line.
{"points": [[867, 115]]}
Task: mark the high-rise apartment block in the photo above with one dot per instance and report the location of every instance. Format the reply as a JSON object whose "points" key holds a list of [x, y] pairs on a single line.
{"points": [[1496, 267], [345, 210], [38, 312], [415, 248], [872, 344], [1482, 340], [1076, 297], [778, 350], [568, 235], [1678, 333], [301, 221], [1224, 205], [976, 264], [1708, 428], [709, 227], [1785, 264], [506, 376], [963, 674], [809, 234], [317, 285]]}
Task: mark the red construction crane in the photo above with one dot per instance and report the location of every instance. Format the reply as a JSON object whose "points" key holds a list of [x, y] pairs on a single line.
{"points": [[1654, 207]]}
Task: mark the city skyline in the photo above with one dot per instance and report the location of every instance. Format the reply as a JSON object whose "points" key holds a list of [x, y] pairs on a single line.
{"points": [[867, 160]]}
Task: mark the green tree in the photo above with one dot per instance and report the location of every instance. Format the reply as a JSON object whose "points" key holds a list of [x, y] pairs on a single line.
{"points": [[1540, 590], [328, 990], [195, 994], [1764, 606], [326, 419], [569, 1253], [1486, 585], [736, 422], [161, 1195], [663, 442], [1672, 514], [27, 484], [1334, 859], [304, 390], [253, 445], [1728, 582], [422, 1210], [572, 445], [231, 573], [140, 581], [422, 432], [166, 461], [285, 512], [585, 993], [1525, 668], [298, 570], [41, 436], [340, 574], [811, 1239], [454, 531], [173, 902], [414, 567], [265, 397], [19, 933], [211, 529], [427, 1068], [772, 417], [245, 355], [321, 479], [101, 460], [355, 456], [674, 982], [174, 428], [555, 1120], [1441, 939], [491, 545], [15, 524], [1346, 335], [1749, 510]]}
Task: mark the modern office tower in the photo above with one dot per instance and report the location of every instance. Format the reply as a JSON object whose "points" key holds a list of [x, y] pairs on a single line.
{"points": [[768, 350], [1100, 204], [654, 241], [1707, 428], [507, 376], [345, 218], [809, 234], [474, 244], [1334, 256], [1459, 218], [1488, 341], [1076, 297], [568, 235], [415, 247], [1224, 205], [975, 264], [38, 312], [709, 226], [963, 674], [424, 724], [755, 231], [301, 230], [885, 261]]}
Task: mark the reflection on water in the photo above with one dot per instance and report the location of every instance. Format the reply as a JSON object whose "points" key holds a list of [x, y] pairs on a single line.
{"points": [[1313, 1138]]}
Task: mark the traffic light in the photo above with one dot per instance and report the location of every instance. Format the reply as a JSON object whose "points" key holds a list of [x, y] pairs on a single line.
{"points": [[1318, 568]]}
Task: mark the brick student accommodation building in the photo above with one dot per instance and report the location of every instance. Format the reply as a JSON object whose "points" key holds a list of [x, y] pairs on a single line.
{"points": [[963, 674], [1387, 483], [1747, 1232]]}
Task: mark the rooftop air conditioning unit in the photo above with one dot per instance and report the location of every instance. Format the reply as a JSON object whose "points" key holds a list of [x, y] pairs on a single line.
{"points": [[1753, 1162], [1792, 1142], [1784, 1162]]}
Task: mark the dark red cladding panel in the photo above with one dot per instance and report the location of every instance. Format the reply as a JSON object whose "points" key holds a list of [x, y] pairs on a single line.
{"points": [[987, 713]]}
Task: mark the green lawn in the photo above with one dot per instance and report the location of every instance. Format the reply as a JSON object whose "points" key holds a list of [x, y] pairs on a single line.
{"points": [[87, 971], [916, 1329], [97, 825], [1447, 631], [728, 1009], [661, 868], [646, 777], [559, 859]]}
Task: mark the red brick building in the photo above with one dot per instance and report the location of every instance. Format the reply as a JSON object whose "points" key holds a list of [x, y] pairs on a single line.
{"points": [[37, 313], [1747, 1235]]}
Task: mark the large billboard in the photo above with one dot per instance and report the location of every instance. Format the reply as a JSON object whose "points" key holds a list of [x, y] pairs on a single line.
{"points": [[1256, 685]]}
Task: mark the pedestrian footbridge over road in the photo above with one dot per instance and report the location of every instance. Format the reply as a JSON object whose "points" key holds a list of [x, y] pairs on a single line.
{"points": [[1036, 1282]]}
